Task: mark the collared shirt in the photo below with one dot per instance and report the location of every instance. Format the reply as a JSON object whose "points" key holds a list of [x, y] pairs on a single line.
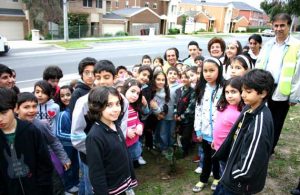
{"points": [[274, 64]]}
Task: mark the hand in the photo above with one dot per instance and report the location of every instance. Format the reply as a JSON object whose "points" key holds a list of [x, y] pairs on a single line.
{"points": [[292, 104], [67, 166], [144, 101], [139, 129], [200, 138], [153, 104], [160, 116], [130, 133], [212, 145], [175, 117], [178, 118]]}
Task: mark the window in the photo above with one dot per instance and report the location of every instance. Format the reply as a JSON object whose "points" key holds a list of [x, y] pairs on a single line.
{"points": [[146, 4], [87, 3], [154, 6], [126, 4], [98, 3], [173, 9], [117, 3]]}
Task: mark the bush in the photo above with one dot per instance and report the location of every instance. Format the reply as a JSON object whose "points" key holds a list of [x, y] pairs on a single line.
{"points": [[78, 22], [174, 31], [28, 37], [108, 35], [121, 34], [255, 29]]}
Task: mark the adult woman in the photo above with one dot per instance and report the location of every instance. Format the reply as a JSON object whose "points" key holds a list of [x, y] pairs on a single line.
{"points": [[255, 42], [216, 48]]}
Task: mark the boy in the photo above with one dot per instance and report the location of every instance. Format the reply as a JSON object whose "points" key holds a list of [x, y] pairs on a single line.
{"points": [[194, 51], [135, 70], [248, 146], [6, 79], [105, 73], [86, 72], [52, 74], [122, 73], [146, 60], [25, 165]]}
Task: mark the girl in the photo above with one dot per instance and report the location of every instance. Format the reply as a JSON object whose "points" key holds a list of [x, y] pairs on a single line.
{"points": [[233, 49], [208, 91], [228, 110], [65, 94], [240, 65], [48, 110], [132, 91], [158, 61], [192, 74], [110, 167]]}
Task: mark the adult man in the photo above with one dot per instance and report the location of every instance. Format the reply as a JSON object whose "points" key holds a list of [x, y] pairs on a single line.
{"points": [[6, 79], [281, 56], [194, 51], [171, 56]]}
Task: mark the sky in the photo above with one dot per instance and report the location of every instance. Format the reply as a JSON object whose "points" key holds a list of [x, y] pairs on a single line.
{"points": [[254, 3]]}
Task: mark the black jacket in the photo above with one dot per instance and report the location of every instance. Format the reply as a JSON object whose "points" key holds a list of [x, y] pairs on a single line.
{"points": [[80, 90], [110, 167], [247, 155], [32, 163]]}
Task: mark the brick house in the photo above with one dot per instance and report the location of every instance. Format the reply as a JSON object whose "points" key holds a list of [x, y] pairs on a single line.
{"points": [[13, 20]]}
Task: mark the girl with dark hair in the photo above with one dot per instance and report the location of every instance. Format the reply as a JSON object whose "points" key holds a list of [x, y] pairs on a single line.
{"points": [[240, 65], [110, 167], [48, 110], [233, 49], [208, 91], [65, 93], [255, 43]]}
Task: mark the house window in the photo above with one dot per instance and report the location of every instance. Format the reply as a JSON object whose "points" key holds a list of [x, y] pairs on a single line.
{"points": [[146, 4], [173, 9], [154, 6], [117, 3], [87, 3], [126, 4], [98, 3]]}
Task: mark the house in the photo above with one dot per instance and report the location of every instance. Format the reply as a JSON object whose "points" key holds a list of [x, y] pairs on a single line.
{"points": [[13, 20]]}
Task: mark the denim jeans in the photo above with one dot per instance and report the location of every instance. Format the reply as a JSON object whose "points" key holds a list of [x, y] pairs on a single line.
{"points": [[135, 150], [166, 131], [71, 176], [85, 186], [221, 190]]}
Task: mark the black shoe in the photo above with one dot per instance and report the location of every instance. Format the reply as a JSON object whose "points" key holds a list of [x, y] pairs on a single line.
{"points": [[136, 164], [295, 191]]}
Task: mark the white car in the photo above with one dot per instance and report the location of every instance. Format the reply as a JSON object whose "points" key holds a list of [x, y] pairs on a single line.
{"points": [[4, 47], [268, 33]]}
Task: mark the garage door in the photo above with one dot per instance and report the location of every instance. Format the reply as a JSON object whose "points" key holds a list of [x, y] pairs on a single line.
{"points": [[12, 30], [112, 28]]}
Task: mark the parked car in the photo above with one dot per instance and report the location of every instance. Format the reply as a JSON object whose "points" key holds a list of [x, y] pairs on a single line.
{"points": [[268, 33], [4, 47]]}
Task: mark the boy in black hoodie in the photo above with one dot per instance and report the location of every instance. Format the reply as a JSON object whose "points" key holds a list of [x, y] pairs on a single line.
{"points": [[248, 146], [25, 165]]}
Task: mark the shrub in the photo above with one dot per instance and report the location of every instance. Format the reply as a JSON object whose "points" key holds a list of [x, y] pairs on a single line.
{"points": [[255, 29], [78, 25], [108, 35], [121, 34], [174, 31], [28, 37]]}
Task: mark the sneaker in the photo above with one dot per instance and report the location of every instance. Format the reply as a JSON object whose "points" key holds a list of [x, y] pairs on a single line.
{"points": [[214, 184], [142, 161], [196, 159], [74, 189], [130, 192], [199, 186], [198, 170]]}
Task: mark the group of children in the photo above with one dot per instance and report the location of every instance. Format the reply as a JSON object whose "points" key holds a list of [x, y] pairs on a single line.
{"points": [[43, 132]]}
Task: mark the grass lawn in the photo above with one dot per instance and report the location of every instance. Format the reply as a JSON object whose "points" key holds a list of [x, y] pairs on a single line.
{"points": [[283, 174]]}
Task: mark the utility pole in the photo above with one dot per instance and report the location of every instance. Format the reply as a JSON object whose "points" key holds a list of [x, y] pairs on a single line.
{"points": [[66, 28]]}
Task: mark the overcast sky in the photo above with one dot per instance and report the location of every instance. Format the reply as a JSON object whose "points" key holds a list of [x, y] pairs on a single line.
{"points": [[254, 3]]}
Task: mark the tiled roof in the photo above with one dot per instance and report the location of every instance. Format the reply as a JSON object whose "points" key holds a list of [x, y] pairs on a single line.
{"points": [[13, 12], [244, 6], [113, 16], [128, 12]]}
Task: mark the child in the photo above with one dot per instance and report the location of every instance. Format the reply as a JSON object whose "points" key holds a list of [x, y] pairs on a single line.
{"points": [[47, 110], [184, 112], [233, 49], [208, 91], [240, 65], [84, 85], [132, 91], [6, 79], [52, 74], [158, 61], [135, 70], [65, 94], [199, 61], [146, 60], [110, 167], [122, 73], [26, 110], [228, 110], [144, 76], [192, 73], [25, 165], [248, 146]]}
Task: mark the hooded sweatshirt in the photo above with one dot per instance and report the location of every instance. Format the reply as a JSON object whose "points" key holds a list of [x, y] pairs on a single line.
{"points": [[48, 112]]}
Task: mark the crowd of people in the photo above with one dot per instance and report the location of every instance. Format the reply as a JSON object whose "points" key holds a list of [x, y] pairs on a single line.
{"points": [[88, 137]]}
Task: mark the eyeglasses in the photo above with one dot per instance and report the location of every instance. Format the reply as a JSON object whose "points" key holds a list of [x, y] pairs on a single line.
{"points": [[88, 73]]}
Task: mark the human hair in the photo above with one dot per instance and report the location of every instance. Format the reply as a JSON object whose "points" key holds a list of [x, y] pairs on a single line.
{"points": [[105, 65], [161, 61], [259, 80], [52, 72], [146, 68], [98, 100], [154, 88], [239, 51], [26, 97], [88, 61], [216, 40], [256, 37], [121, 68], [45, 86], [146, 57], [192, 69], [185, 73], [136, 66], [199, 58], [174, 49], [284, 17], [5, 69], [172, 68], [236, 83], [201, 83], [193, 43], [8, 99], [59, 102], [129, 83], [244, 60]]}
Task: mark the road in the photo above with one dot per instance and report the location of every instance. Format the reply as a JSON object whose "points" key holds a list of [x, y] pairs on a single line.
{"points": [[29, 65]]}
